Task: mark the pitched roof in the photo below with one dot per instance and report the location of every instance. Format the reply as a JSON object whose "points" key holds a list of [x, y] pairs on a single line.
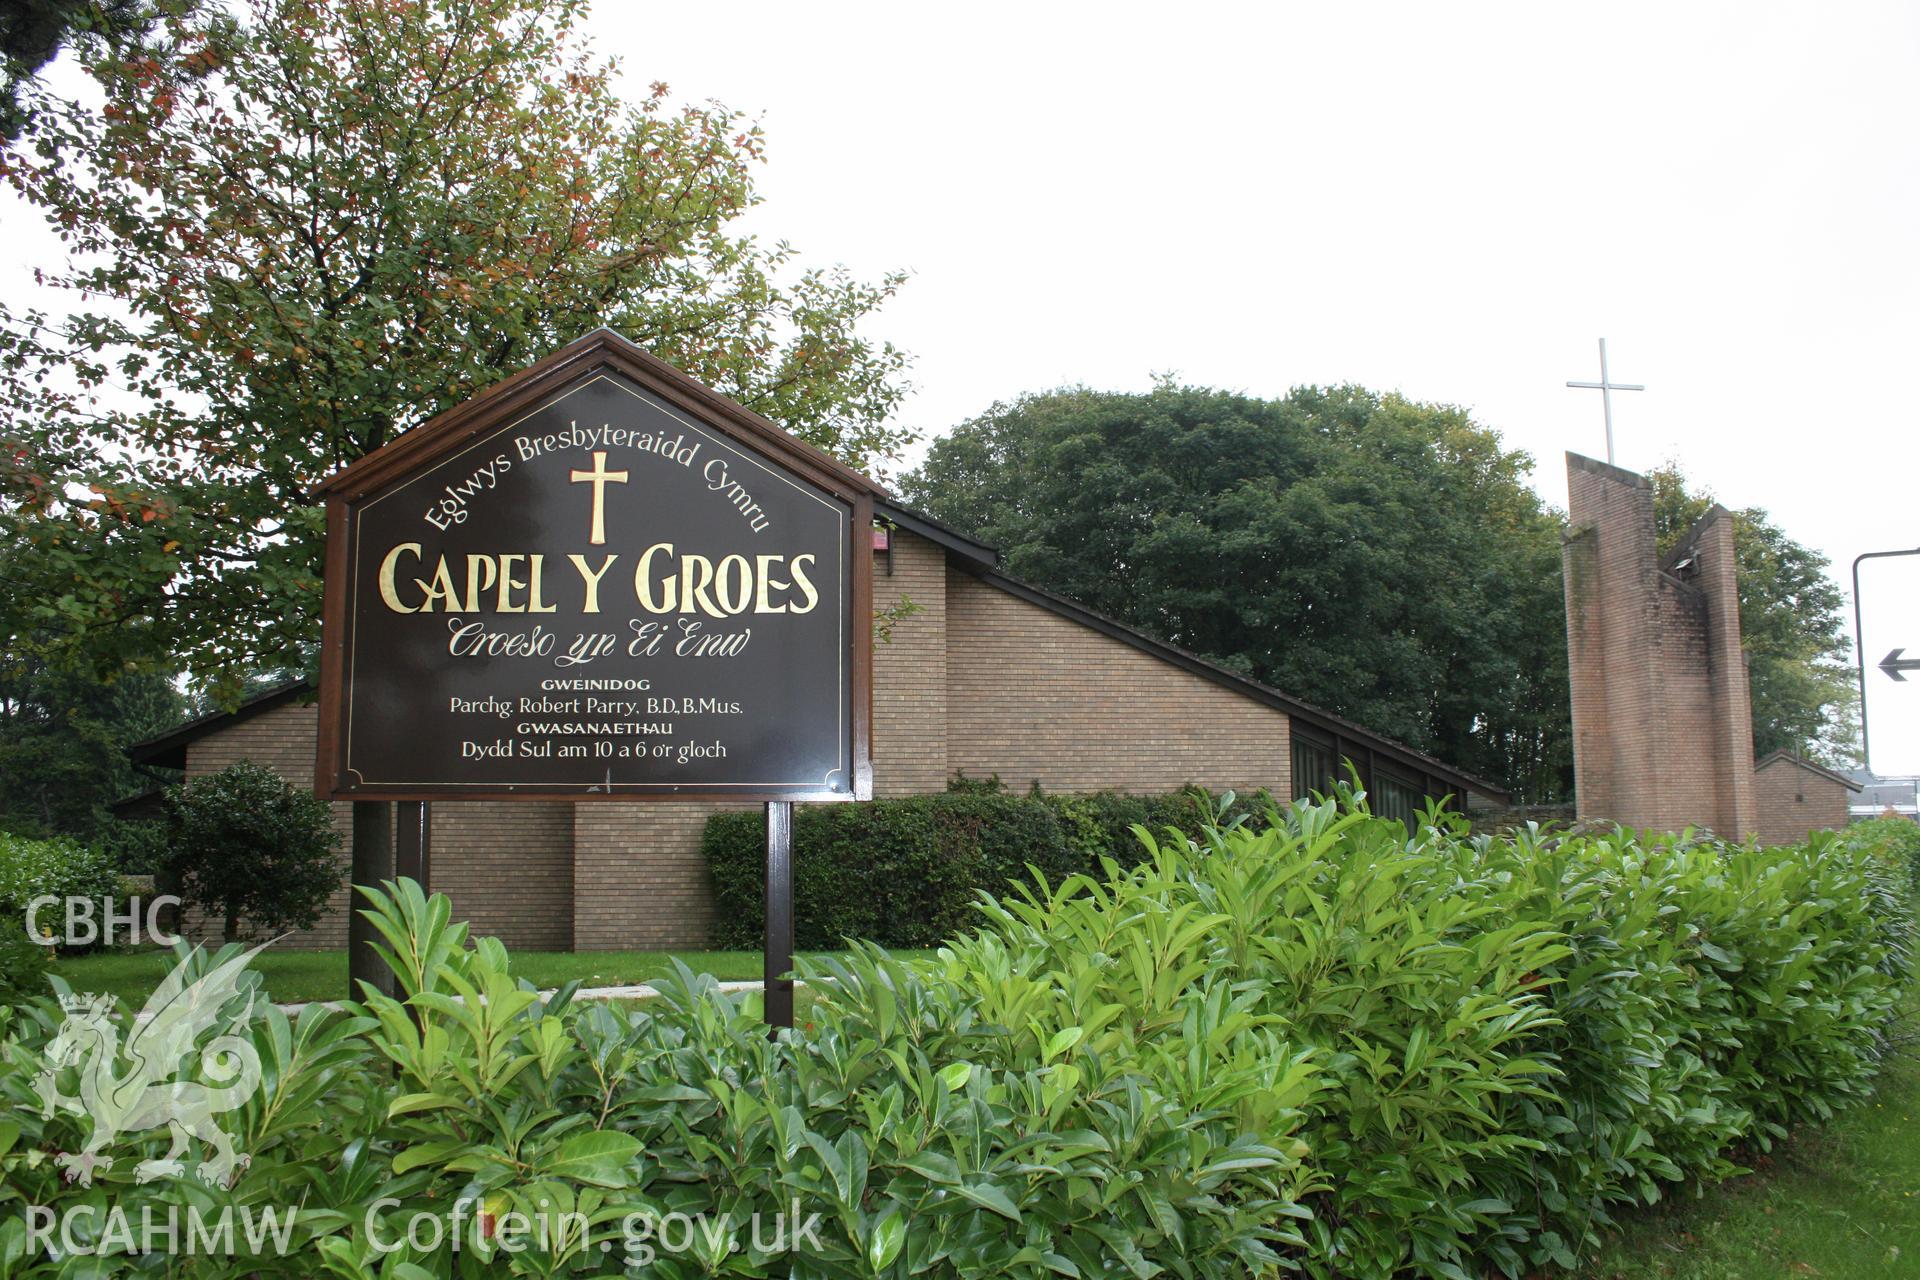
{"points": [[957, 544], [169, 750], [1877, 793], [982, 561], [1339, 726], [1775, 757]]}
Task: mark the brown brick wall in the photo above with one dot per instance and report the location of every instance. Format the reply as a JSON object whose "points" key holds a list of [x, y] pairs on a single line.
{"points": [[1033, 696], [910, 672], [1689, 780], [1716, 569], [1610, 565], [507, 867], [639, 881], [1662, 721], [1793, 802]]}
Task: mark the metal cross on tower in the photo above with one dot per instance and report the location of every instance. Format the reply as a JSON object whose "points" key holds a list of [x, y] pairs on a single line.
{"points": [[1606, 387]]}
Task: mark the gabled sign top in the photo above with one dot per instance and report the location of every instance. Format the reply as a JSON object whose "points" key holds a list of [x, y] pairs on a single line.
{"points": [[601, 347], [597, 579]]}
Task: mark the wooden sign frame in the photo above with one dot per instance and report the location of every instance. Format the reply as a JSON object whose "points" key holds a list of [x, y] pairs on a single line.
{"points": [[516, 396]]}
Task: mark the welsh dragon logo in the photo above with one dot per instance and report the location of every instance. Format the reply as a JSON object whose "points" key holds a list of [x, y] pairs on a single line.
{"points": [[132, 1088]]}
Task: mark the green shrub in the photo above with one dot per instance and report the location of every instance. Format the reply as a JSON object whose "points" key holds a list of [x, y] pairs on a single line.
{"points": [[929, 1139], [58, 866], [23, 962], [906, 872], [1308, 1043], [1512, 1037], [1895, 841], [251, 851], [900, 872], [138, 846], [1712, 996]]}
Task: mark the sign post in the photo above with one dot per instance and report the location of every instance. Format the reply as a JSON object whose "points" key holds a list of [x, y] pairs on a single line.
{"points": [[778, 948], [1886, 619], [413, 842], [372, 863], [600, 581]]}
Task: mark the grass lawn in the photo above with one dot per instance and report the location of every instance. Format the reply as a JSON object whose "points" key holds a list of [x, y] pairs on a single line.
{"points": [[322, 975], [1841, 1201]]}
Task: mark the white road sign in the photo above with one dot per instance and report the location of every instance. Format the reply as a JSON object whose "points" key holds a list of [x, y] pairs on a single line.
{"points": [[1886, 587]]}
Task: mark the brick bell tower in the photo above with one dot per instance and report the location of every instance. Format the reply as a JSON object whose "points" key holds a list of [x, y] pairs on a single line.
{"points": [[1662, 720]]}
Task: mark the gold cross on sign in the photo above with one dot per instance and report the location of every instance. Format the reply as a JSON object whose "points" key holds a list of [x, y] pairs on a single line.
{"points": [[599, 478]]}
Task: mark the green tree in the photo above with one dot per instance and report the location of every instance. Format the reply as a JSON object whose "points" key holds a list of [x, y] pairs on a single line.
{"points": [[251, 851], [297, 235], [32, 32], [63, 740], [1382, 558], [1792, 624]]}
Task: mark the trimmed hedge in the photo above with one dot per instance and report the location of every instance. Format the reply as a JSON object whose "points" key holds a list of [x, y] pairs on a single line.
{"points": [[1894, 840], [1509, 1038], [31, 868], [905, 873], [1309, 1045], [59, 866]]}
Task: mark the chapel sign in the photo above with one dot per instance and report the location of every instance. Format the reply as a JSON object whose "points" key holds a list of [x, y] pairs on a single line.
{"points": [[597, 579]]}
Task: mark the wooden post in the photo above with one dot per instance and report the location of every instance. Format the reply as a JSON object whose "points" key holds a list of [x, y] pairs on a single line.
{"points": [[413, 846], [779, 940], [372, 863]]}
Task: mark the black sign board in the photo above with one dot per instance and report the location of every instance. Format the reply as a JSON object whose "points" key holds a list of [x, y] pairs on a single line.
{"points": [[597, 580]]}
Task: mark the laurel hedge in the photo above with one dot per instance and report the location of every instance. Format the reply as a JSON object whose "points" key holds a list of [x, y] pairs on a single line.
{"points": [[1894, 840], [1507, 1039], [1306, 1043], [30, 868], [906, 872], [59, 867]]}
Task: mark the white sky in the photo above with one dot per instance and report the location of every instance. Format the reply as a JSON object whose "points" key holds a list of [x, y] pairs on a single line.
{"points": [[1452, 201]]}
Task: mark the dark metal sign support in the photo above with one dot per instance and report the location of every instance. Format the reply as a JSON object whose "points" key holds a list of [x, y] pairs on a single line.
{"points": [[413, 843], [779, 941], [372, 863]]}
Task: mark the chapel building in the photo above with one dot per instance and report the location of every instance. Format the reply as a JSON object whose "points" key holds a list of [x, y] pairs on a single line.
{"points": [[992, 676]]}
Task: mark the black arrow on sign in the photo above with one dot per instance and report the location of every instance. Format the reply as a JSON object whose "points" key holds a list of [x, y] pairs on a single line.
{"points": [[1893, 664]]}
